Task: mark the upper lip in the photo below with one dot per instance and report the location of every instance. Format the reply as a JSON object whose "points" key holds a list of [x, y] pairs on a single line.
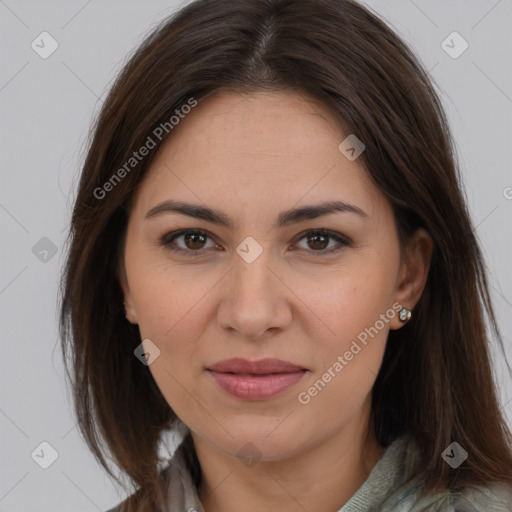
{"points": [[260, 367]]}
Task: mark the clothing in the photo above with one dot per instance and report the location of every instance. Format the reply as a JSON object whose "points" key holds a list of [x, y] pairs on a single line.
{"points": [[383, 490]]}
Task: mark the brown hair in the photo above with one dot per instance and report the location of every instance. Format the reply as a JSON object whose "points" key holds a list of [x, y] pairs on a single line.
{"points": [[436, 371]]}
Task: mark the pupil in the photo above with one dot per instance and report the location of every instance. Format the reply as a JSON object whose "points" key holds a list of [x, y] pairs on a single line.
{"points": [[322, 244], [194, 238]]}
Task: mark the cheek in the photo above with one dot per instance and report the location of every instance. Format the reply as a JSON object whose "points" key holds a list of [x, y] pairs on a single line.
{"points": [[172, 311], [354, 311], [162, 298], [349, 360], [348, 302], [167, 311]]}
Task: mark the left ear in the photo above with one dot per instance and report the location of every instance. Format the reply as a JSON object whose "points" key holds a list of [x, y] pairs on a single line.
{"points": [[413, 272]]}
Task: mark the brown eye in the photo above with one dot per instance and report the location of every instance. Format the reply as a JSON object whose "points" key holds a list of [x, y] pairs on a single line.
{"points": [[192, 242], [318, 242]]}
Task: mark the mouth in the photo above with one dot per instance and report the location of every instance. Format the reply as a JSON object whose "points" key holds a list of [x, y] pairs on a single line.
{"points": [[255, 380]]}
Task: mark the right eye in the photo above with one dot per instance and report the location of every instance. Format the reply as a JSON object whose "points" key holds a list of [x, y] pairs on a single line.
{"points": [[193, 241]]}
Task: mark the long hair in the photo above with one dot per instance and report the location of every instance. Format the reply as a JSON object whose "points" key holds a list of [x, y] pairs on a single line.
{"points": [[436, 382]]}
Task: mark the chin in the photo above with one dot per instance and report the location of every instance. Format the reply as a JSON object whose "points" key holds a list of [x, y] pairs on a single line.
{"points": [[262, 442]]}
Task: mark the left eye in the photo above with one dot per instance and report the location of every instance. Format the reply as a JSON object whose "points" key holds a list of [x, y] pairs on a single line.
{"points": [[194, 241], [318, 240]]}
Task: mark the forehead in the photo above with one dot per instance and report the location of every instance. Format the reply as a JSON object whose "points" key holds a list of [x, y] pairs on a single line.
{"points": [[259, 150], [260, 128]]}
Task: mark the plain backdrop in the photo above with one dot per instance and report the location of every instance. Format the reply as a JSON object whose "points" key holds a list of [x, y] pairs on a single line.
{"points": [[46, 106]]}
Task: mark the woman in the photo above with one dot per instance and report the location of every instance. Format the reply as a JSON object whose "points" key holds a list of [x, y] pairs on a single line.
{"points": [[270, 250]]}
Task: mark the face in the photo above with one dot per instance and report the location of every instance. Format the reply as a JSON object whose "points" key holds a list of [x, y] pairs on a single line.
{"points": [[244, 280]]}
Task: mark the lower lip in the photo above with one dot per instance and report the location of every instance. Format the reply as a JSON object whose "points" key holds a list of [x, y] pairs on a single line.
{"points": [[256, 387]]}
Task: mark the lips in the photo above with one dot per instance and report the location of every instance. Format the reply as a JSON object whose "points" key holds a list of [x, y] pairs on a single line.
{"points": [[261, 367], [255, 380]]}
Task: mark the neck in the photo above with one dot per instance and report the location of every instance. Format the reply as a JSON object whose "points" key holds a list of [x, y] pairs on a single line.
{"points": [[323, 477]]}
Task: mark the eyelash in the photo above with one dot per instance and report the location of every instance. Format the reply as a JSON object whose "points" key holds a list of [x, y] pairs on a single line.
{"points": [[168, 239]]}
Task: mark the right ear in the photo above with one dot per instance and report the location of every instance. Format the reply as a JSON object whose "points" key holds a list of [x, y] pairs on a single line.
{"points": [[131, 314]]}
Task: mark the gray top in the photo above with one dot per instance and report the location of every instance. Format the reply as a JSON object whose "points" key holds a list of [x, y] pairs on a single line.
{"points": [[383, 491]]}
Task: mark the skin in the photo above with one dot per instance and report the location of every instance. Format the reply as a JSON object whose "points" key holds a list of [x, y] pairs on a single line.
{"points": [[253, 156]]}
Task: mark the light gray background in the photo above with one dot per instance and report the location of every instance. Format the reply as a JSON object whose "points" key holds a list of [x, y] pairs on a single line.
{"points": [[46, 107]]}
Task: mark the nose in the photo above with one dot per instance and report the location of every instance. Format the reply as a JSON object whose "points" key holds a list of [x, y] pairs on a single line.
{"points": [[255, 300]]}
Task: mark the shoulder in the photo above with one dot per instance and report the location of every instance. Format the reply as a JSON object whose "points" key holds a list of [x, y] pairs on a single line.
{"points": [[492, 498], [406, 494], [170, 474]]}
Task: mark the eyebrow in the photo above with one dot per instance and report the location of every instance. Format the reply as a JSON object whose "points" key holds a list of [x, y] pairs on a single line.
{"points": [[285, 218]]}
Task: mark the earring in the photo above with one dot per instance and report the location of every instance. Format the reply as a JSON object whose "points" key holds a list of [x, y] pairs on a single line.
{"points": [[405, 314]]}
